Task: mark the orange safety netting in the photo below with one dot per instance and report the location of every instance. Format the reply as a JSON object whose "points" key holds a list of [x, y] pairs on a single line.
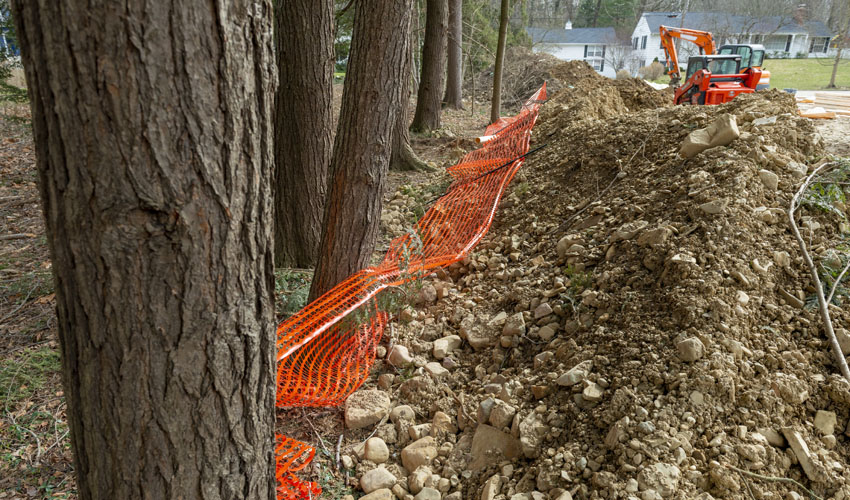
{"points": [[325, 350]]}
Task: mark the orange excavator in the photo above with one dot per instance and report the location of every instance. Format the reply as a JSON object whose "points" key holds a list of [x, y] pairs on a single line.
{"points": [[712, 78]]}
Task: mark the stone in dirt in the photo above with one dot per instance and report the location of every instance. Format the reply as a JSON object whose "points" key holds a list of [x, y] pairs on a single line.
{"points": [[843, 340], [804, 456], [690, 350], [376, 450], [418, 479], [365, 408], [576, 374], [491, 446], [501, 414], [769, 179], [491, 487], [428, 494], [532, 429], [381, 494], [825, 421], [475, 334], [400, 356], [592, 393], [722, 131], [376, 479], [445, 345], [420, 452], [514, 325], [661, 477]]}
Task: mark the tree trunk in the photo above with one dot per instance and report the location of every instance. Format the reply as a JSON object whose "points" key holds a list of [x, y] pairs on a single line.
{"points": [[454, 71], [370, 104], [496, 102], [303, 127], [427, 116], [835, 68], [152, 126], [403, 157]]}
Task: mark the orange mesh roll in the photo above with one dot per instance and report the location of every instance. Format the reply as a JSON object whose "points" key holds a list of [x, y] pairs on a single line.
{"points": [[325, 350]]}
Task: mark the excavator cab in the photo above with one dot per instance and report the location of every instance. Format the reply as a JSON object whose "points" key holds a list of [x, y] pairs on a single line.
{"points": [[715, 79], [752, 56]]}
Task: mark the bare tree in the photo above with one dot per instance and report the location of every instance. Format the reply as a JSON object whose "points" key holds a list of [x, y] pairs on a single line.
{"points": [[428, 101], [617, 55], [496, 101], [363, 144], [303, 126], [154, 156], [454, 67]]}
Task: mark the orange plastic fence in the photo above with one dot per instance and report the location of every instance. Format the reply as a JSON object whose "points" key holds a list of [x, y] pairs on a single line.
{"points": [[325, 350]]}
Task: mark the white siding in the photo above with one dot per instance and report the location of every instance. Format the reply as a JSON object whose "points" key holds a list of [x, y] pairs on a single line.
{"points": [[570, 52]]}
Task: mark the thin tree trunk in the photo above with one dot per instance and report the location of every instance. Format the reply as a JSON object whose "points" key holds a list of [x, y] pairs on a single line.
{"points": [[496, 102], [454, 70], [303, 127], [834, 69], [428, 101], [403, 157], [370, 104], [152, 125]]}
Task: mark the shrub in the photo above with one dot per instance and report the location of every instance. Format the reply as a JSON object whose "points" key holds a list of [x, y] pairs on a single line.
{"points": [[623, 74], [652, 72]]}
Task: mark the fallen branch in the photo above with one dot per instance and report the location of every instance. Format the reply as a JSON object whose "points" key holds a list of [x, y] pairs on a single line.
{"points": [[16, 236], [822, 302], [774, 479]]}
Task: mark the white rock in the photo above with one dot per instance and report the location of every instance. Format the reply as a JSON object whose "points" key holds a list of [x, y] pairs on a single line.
{"points": [[804, 456], [418, 479], [365, 408], [501, 414], [420, 452], [515, 325], [825, 421], [769, 179], [843, 340], [436, 370], [542, 310], [798, 170], [400, 357], [428, 494], [715, 207], [690, 350], [381, 494], [661, 477], [576, 374], [491, 487], [376, 479], [592, 393], [445, 345]]}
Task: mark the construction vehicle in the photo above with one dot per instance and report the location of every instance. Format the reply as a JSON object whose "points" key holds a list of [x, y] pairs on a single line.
{"points": [[712, 78]]}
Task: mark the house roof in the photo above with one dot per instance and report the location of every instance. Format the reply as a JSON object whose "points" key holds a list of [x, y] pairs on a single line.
{"points": [[575, 35], [722, 22]]}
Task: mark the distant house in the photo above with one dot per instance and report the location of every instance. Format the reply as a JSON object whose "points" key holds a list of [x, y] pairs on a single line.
{"points": [[781, 36], [571, 44]]}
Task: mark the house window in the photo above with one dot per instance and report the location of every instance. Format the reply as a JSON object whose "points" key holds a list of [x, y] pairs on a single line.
{"points": [[643, 42], [819, 45], [594, 55], [776, 43], [594, 51], [635, 42]]}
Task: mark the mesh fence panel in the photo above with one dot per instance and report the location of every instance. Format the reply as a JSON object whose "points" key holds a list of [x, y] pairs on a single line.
{"points": [[325, 350]]}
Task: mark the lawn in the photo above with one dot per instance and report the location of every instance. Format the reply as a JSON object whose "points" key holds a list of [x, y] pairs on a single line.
{"points": [[806, 74]]}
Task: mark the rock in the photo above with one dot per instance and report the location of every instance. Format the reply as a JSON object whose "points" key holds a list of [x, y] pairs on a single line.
{"points": [[798, 170], [592, 393], [427, 295], [532, 429], [789, 388], [715, 207], [804, 456], [436, 370], [690, 350], [445, 345], [789, 298], [385, 381], [420, 452], [576, 374], [376, 479], [825, 422], [428, 494], [722, 131], [402, 413], [484, 409], [491, 487], [628, 231], [566, 496], [547, 332], [773, 437], [514, 325], [382, 494], [769, 179], [654, 237], [565, 243], [365, 408], [502, 414], [475, 334], [542, 311], [767, 120], [695, 143], [661, 477], [400, 357], [376, 450], [491, 446], [418, 479], [442, 424]]}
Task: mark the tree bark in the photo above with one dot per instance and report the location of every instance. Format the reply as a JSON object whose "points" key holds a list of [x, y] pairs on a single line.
{"points": [[152, 126], [370, 105], [428, 101], [303, 127], [454, 70], [835, 68], [496, 101], [403, 157]]}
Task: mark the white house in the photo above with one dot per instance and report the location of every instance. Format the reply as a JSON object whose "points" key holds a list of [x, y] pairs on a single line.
{"points": [[570, 44], [781, 36]]}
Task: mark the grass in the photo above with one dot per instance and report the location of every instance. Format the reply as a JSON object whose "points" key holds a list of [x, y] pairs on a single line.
{"points": [[26, 374], [291, 287], [806, 74]]}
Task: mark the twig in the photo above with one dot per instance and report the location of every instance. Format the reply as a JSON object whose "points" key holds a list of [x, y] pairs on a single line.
{"points": [[382, 422], [338, 464], [16, 236], [773, 479], [822, 303], [321, 441], [836, 282], [20, 306]]}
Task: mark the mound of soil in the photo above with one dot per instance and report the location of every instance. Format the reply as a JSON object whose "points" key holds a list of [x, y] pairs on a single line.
{"points": [[636, 324]]}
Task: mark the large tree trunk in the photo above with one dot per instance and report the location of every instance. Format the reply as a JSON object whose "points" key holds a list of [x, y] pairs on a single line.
{"points": [[428, 100], [454, 70], [403, 157], [152, 125], [496, 101], [363, 144], [303, 126]]}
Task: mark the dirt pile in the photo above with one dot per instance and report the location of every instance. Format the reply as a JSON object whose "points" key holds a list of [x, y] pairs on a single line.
{"points": [[635, 325]]}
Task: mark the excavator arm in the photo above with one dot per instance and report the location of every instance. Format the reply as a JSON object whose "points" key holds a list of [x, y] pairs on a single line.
{"points": [[702, 39]]}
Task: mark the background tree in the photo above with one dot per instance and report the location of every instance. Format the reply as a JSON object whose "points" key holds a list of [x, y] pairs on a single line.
{"points": [[363, 144], [7, 40], [496, 101], [428, 101], [454, 67], [403, 158], [154, 158], [303, 126]]}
